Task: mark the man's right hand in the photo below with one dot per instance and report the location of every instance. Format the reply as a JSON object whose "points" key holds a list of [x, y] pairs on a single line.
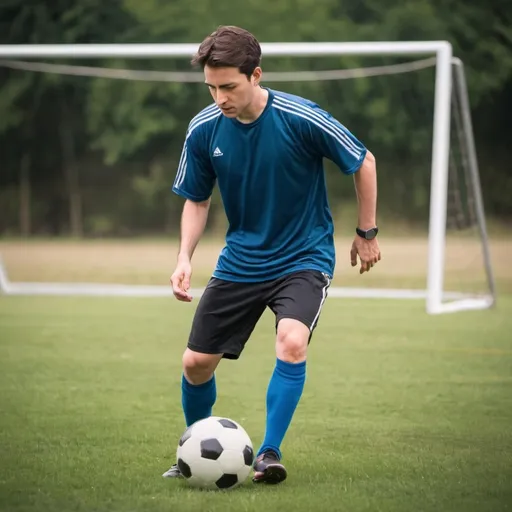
{"points": [[180, 280]]}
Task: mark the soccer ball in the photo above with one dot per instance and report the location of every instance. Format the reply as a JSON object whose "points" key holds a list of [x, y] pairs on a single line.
{"points": [[215, 453]]}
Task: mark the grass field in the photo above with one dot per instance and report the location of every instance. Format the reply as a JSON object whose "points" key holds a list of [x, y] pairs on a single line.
{"points": [[401, 411]]}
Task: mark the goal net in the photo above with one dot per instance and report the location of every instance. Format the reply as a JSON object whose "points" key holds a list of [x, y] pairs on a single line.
{"points": [[406, 101]]}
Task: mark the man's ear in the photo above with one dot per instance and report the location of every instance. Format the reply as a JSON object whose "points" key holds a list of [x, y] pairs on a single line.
{"points": [[256, 76]]}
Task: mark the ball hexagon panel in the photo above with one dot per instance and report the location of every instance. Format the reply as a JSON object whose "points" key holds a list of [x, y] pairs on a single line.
{"points": [[204, 473], [243, 473], [207, 428], [228, 423], [231, 461], [211, 449], [248, 454], [184, 468], [226, 481], [233, 439]]}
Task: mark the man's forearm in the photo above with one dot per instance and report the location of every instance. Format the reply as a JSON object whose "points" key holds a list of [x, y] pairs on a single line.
{"points": [[193, 222], [365, 181]]}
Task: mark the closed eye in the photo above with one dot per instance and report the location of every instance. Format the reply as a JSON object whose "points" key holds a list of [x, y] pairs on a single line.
{"points": [[228, 87]]}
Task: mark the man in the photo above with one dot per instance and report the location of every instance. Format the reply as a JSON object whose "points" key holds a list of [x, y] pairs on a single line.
{"points": [[265, 150]]}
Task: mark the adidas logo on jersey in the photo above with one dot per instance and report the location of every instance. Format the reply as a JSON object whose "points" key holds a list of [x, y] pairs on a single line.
{"points": [[217, 152]]}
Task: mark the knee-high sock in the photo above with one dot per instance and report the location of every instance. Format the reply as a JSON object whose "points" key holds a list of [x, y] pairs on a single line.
{"points": [[283, 395], [197, 401]]}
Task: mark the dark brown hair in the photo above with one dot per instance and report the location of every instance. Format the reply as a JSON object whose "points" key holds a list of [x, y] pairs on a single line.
{"points": [[229, 46]]}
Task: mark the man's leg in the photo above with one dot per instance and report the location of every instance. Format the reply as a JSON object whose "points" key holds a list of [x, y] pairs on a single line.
{"points": [[225, 317], [297, 303], [283, 395], [287, 381], [198, 389]]}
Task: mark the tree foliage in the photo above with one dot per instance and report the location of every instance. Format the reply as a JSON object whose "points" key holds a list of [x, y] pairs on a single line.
{"points": [[121, 139]]}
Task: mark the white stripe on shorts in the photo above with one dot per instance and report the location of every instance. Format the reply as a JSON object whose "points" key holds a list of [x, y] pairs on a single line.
{"points": [[324, 296]]}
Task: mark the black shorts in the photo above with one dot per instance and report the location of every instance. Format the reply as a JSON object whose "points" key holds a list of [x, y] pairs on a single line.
{"points": [[228, 311]]}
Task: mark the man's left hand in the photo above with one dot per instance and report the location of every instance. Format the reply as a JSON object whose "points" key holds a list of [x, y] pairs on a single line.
{"points": [[368, 251]]}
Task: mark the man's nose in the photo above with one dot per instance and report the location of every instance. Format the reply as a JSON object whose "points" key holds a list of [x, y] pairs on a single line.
{"points": [[221, 98]]}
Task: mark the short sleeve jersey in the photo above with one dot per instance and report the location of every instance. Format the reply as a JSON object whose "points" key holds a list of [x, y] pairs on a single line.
{"points": [[271, 179]]}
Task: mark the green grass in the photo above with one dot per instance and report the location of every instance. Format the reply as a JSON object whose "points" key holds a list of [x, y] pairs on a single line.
{"points": [[401, 411]]}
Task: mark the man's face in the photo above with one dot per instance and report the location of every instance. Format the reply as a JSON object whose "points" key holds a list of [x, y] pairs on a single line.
{"points": [[231, 90]]}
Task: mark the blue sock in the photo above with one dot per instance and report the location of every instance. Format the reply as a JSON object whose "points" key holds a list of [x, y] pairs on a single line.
{"points": [[197, 401], [283, 395]]}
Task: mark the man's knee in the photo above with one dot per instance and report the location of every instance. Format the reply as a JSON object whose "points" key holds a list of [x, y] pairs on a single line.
{"points": [[198, 367], [292, 340]]}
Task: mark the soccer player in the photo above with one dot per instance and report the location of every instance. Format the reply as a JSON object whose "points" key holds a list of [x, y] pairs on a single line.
{"points": [[265, 150]]}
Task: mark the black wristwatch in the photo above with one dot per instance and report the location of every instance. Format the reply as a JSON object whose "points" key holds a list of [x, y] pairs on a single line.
{"points": [[368, 234]]}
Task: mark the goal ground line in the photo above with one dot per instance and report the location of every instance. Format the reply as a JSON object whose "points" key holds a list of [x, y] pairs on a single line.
{"points": [[8, 287]]}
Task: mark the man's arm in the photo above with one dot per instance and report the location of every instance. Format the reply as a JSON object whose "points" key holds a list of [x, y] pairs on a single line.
{"points": [[365, 181], [193, 222], [332, 140], [194, 181]]}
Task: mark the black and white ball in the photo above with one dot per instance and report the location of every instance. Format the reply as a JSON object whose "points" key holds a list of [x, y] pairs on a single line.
{"points": [[215, 453]]}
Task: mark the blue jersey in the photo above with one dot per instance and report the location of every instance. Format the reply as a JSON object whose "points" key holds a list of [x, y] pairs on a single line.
{"points": [[271, 179]]}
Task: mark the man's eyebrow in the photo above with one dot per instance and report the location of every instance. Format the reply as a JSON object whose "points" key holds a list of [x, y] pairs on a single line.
{"points": [[221, 86]]}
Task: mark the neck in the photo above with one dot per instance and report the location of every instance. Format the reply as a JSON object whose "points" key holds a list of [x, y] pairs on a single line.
{"points": [[255, 108]]}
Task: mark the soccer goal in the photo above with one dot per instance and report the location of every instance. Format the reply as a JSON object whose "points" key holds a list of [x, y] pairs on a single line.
{"points": [[454, 203]]}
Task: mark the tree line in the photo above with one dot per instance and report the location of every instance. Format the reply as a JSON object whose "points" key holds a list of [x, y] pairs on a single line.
{"points": [[97, 157]]}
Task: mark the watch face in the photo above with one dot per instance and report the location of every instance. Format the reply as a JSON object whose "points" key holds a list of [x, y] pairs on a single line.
{"points": [[369, 234]]}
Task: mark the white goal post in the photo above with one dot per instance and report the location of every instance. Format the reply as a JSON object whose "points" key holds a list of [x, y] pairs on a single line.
{"points": [[441, 50]]}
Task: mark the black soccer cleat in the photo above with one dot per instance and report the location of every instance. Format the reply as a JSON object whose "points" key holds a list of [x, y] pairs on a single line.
{"points": [[268, 469], [173, 472]]}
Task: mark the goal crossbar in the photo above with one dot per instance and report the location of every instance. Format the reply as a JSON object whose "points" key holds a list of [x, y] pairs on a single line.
{"points": [[441, 50], [155, 50]]}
